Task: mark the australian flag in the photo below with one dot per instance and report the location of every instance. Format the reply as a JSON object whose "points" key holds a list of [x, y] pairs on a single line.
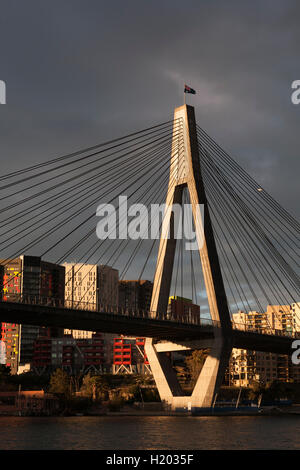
{"points": [[187, 89]]}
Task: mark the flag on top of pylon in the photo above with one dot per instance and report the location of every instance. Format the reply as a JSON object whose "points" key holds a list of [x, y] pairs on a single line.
{"points": [[187, 89]]}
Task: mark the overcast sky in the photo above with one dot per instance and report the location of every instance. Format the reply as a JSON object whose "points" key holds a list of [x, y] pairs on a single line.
{"points": [[81, 72], [78, 73]]}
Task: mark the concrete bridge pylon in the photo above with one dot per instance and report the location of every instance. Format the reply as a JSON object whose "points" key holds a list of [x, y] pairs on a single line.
{"points": [[185, 172]]}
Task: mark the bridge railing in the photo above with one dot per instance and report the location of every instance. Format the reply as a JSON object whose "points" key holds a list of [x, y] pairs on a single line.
{"points": [[143, 314], [266, 330], [103, 308], [34, 300]]}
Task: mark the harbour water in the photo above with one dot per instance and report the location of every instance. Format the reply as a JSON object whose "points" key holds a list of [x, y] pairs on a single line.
{"points": [[150, 433]]}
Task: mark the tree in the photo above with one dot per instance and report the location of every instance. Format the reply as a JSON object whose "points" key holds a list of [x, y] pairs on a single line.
{"points": [[95, 386], [257, 389], [269, 391], [195, 362], [60, 384], [76, 381], [143, 380]]}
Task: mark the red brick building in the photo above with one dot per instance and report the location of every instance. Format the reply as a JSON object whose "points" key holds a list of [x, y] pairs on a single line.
{"points": [[71, 354], [180, 308], [129, 356]]}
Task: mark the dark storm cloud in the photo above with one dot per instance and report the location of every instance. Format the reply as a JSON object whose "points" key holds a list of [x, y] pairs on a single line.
{"points": [[78, 73]]}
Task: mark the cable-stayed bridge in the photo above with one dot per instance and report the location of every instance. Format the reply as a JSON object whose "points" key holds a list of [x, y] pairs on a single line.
{"points": [[142, 323], [245, 248]]}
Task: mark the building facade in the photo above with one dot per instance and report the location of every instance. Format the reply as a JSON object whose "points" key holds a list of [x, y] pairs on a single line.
{"points": [[28, 279], [129, 356], [74, 355], [180, 308], [135, 295], [92, 287], [128, 352], [247, 367]]}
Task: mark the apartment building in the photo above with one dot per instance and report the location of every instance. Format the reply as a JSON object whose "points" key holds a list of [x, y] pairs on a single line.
{"points": [[92, 287], [30, 279], [135, 295], [74, 355], [180, 308], [247, 366]]}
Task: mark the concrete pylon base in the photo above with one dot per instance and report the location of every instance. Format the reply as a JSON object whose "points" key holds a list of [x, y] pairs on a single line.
{"points": [[207, 385]]}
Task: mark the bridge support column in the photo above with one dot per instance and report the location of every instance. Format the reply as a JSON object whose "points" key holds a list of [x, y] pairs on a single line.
{"points": [[163, 373], [185, 172], [212, 374], [208, 382]]}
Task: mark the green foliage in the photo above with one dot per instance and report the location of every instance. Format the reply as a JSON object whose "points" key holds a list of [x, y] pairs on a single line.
{"points": [[60, 384], [271, 390], [141, 380], [128, 393], [150, 395], [195, 362], [76, 381], [95, 387]]}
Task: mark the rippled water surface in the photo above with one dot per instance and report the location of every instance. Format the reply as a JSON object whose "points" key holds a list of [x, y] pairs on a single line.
{"points": [[124, 433]]}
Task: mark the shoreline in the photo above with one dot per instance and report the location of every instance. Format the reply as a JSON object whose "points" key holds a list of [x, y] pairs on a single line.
{"points": [[274, 411]]}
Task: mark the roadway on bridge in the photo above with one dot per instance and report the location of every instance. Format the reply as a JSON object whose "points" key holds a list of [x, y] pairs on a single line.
{"points": [[41, 315]]}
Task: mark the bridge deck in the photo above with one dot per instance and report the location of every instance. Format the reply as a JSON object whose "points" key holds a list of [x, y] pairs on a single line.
{"points": [[41, 315]]}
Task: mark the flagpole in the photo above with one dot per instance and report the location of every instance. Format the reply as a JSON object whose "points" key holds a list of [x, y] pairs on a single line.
{"points": [[188, 90]]}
